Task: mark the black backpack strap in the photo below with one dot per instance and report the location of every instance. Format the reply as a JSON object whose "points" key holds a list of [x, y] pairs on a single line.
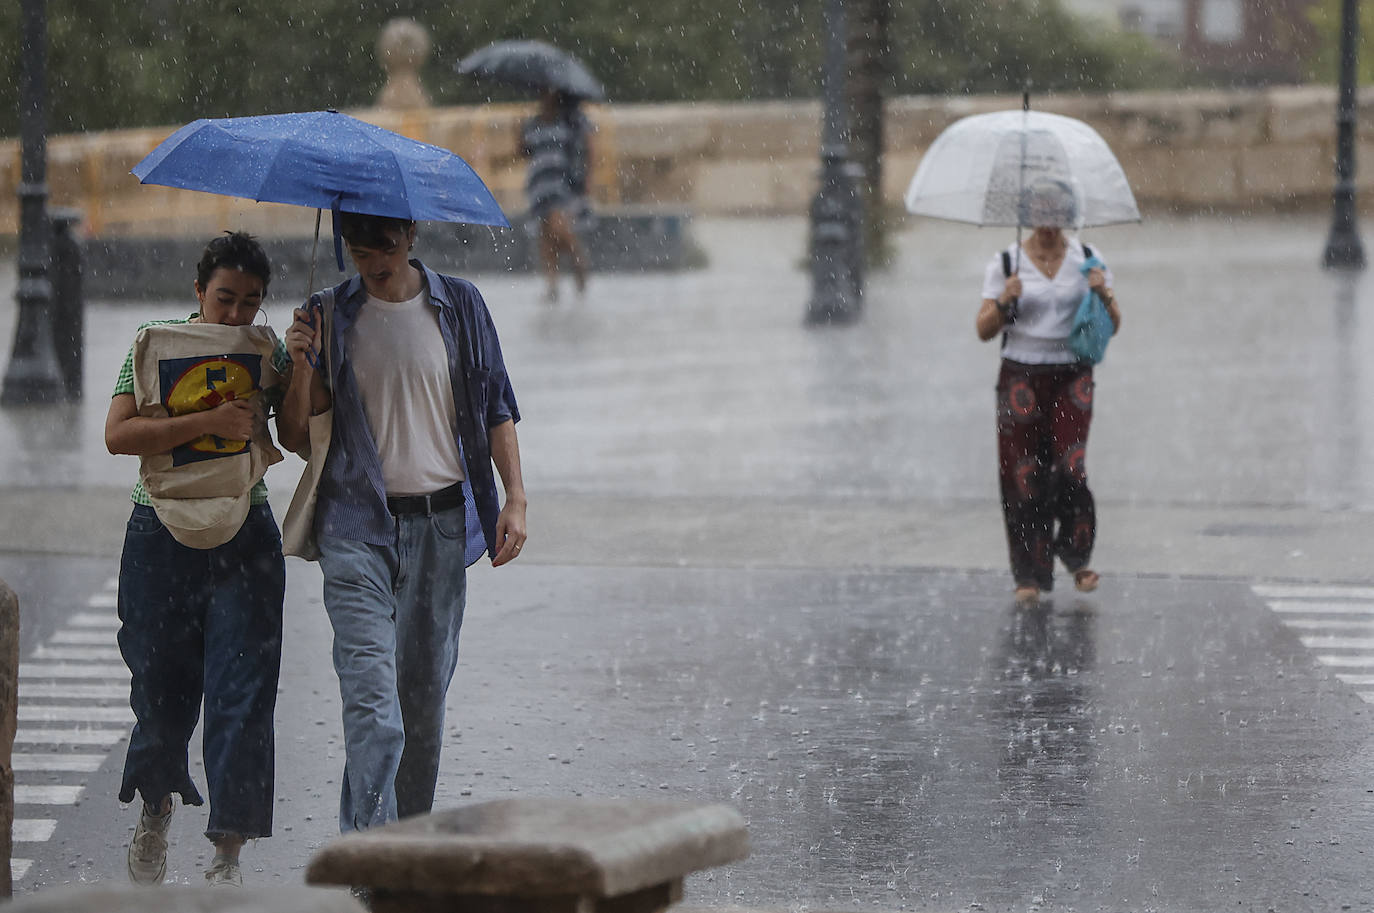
{"points": [[1006, 264], [1087, 252]]}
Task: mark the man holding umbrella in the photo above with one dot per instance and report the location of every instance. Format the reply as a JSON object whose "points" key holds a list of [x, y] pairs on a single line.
{"points": [[411, 368]]}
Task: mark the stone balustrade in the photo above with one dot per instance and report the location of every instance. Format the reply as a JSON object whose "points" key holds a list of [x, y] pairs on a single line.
{"points": [[1226, 149]]}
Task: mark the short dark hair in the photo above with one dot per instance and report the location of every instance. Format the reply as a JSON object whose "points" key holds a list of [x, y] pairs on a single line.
{"points": [[236, 250], [366, 230]]}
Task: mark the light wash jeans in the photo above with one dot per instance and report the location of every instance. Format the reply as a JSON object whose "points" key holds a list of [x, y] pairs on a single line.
{"points": [[396, 611]]}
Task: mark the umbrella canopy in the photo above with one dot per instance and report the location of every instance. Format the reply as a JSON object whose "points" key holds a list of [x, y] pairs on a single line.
{"points": [[533, 65], [977, 169], [322, 159]]}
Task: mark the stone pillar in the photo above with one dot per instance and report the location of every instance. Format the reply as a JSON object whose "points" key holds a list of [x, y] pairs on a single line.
{"points": [[402, 49], [9, 702]]}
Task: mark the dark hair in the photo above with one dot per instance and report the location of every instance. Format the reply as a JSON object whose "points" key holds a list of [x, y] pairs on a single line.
{"points": [[365, 230], [236, 250]]}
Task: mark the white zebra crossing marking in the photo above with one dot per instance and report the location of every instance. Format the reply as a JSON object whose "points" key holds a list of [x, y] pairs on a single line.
{"points": [[64, 690], [72, 670], [1335, 622], [103, 737], [81, 667], [93, 654], [93, 638], [72, 762], [65, 713], [1284, 591], [94, 620], [46, 795], [33, 830]]}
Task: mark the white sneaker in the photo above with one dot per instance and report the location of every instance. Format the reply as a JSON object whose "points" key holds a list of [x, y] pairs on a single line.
{"points": [[224, 873], [148, 849]]}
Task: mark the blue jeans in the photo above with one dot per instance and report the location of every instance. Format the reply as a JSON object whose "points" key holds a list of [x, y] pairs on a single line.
{"points": [[203, 623], [396, 611]]}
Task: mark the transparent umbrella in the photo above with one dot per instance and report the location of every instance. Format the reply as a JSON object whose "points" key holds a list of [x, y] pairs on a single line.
{"points": [[976, 170]]}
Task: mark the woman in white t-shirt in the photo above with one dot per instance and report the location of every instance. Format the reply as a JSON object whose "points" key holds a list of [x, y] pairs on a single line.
{"points": [[1044, 393]]}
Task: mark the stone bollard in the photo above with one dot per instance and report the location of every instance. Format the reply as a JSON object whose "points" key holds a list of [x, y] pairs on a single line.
{"points": [[9, 704], [528, 855], [186, 899]]}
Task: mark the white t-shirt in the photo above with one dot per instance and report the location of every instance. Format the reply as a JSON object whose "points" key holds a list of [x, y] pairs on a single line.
{"points": [[1045, 313], [401, 367]]}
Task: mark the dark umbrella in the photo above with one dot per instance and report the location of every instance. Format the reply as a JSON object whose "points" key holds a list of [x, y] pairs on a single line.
{"points": [[533, 65]]}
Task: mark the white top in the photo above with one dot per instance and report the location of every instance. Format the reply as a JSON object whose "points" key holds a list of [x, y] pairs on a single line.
{"points": [[1044, 316], [401, 367]]}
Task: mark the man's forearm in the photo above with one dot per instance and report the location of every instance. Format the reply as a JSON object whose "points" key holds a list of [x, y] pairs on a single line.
{"points": [[505, 454]]}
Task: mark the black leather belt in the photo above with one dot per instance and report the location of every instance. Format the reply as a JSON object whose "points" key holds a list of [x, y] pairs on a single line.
{"points": [[426, 504]]}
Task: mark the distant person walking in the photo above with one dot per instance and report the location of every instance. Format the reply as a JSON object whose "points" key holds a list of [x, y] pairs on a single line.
{"points": [[195, 620], [557, 142], [1044, 393]]}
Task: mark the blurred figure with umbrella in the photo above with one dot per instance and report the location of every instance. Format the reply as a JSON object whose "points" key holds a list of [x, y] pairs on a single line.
{"points": [[1052, 174], [400, 401], [556, 141]]}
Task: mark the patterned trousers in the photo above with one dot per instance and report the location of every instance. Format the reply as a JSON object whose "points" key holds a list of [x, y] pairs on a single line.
{"points": [[1043, 414]]}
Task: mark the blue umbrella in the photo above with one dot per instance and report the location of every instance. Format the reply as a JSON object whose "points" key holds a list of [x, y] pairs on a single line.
{"points": [[323, 159]]}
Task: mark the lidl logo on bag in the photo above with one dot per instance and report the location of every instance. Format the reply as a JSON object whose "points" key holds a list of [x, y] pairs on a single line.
{"points": [[200, 383]]}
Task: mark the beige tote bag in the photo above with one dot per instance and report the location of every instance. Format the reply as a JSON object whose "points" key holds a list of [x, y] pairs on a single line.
{"points": [[201, 490], [298, 529]]}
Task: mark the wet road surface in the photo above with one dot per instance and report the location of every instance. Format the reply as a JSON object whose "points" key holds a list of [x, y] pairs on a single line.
{"points": [[895, 740], [766, 568]]}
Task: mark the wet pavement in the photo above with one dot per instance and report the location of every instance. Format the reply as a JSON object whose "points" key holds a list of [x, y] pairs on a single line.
{"points": [[766, 568]]}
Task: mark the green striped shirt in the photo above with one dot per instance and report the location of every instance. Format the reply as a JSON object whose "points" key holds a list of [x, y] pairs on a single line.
{"points": [[281, 360]]}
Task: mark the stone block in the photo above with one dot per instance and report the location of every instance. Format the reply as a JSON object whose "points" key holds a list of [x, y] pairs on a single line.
{"points": [[187, 899], [1206, 177], [795, 182], [1283, 173], [1301, 114], [766, 130], [650, 131], [531, 855], [733, 186], [1152, 173], [898, 170]]}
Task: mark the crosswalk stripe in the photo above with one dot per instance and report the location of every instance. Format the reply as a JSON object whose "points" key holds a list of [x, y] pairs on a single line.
{"points": [[1300, 607], [1346, 662], [1330, 624], [104, 600], [1282, 591], [67, 713], [46, 795], [19, 868], [1337, 642], [33, 830], [95, 638], [81, 653], [72, 670], [94, 620], [65, 761], [115, 691], [106, 737]]}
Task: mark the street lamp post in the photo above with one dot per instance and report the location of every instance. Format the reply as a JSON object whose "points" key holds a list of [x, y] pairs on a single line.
{"points": [[1343, 247], [32, 375], [837, 210]]}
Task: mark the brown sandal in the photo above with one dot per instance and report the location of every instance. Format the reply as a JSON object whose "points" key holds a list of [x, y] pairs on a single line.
{"points": [[1027, 595], [1085, 580]]}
